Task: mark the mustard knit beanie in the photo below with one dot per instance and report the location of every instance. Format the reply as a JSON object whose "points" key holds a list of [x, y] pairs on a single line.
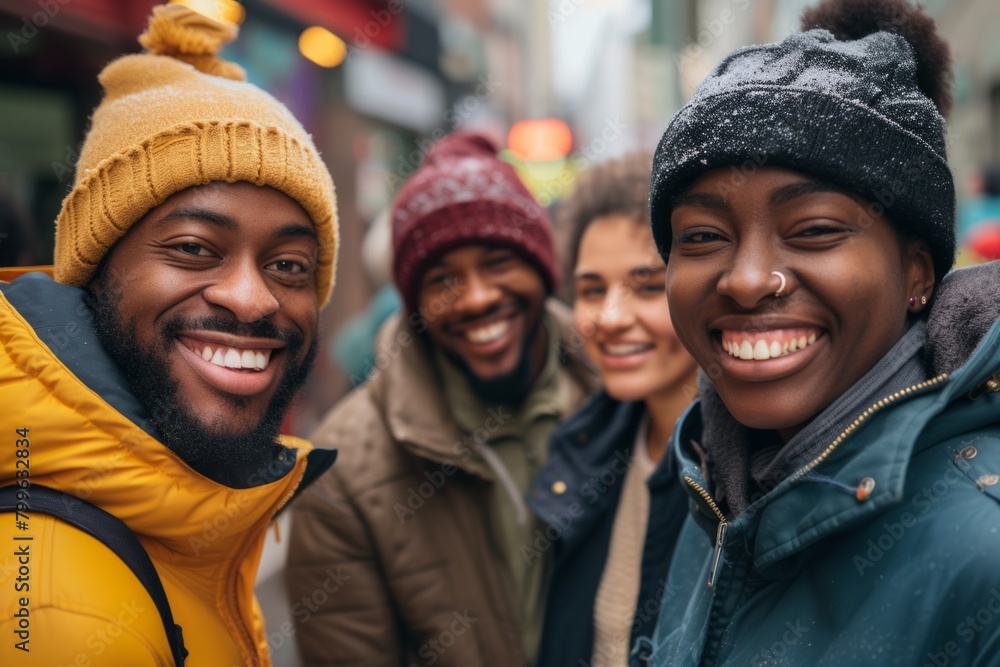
{"points": [[176, 117]]}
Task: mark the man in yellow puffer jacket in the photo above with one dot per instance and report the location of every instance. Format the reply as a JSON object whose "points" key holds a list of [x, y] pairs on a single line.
{"points": [[150, 378]]}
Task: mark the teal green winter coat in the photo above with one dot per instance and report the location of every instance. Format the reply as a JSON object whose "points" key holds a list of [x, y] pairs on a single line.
{"points": [[827, 569]]}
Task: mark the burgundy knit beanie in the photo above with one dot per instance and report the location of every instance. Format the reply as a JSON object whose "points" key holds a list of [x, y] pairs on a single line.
{"points": [[463, 194]]}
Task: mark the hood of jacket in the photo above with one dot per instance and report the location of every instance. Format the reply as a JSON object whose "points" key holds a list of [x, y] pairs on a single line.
{"points": [[416, 414], [833, 492]]}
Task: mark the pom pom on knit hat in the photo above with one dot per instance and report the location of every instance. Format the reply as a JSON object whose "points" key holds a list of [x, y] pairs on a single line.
{"points": [[193, 38], [860, 107], [463, 194], [460, 145], [177, 117], [854, 19]]}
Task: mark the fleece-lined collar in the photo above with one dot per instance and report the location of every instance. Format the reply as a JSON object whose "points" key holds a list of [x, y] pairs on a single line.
{"points": [[966, 305]]}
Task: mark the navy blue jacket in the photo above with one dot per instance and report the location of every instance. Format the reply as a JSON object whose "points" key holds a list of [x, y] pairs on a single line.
{"points": [[576, 494]]}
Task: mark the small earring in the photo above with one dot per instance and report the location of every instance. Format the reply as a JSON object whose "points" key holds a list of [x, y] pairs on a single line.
{"points": [[923, 301], [913, 301]]}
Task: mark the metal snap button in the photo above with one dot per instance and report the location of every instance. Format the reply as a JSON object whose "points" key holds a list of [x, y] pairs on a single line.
{"points": [[559, 487], [865, 488]]}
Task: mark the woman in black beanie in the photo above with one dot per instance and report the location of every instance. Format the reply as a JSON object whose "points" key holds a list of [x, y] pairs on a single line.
{"points": [[844, 458]]}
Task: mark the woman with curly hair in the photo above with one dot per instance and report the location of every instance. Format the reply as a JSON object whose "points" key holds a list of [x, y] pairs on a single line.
{"points": [[608, 479]]}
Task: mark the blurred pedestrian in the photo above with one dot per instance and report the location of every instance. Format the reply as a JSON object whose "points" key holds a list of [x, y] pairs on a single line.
{"points": [[150, 378], [424, 510], [609, 475], [842, 463]]}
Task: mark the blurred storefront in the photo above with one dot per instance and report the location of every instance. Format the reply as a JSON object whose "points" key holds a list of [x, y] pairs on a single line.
{"points": [[50, 55]]}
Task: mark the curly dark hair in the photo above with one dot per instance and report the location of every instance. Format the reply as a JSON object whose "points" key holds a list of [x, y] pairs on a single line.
{"points": [[854, 19], [615, 187]]}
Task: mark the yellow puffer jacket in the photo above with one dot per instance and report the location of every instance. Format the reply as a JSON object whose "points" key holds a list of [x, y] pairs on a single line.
{"points": [[84, 606]]}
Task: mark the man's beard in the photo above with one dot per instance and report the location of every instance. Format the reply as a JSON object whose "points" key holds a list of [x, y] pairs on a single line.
{"points": [[217, 450], [511, 388]]}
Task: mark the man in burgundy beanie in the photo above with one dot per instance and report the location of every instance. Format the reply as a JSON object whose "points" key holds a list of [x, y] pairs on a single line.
{"points": [[442, 563]]}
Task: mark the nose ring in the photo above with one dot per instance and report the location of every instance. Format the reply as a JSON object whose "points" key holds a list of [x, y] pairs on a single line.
{"points": [[781, 277]]}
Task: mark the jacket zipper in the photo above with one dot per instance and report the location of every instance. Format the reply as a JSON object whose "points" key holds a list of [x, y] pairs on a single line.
{"points": [[233, 577], [875, 407], [497, 588], [720, 532]]}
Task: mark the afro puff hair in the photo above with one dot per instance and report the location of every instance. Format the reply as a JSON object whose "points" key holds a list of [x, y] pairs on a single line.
{"points": [[853, 19]]}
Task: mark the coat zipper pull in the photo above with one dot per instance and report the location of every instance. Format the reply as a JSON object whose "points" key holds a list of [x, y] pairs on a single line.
{"points": [[720, 537]]}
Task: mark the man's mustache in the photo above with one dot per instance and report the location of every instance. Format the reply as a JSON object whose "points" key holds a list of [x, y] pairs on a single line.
{"points": [[259, 329]]}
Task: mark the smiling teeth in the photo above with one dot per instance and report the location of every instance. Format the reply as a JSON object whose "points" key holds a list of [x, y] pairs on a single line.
{"points": [[763, 350], [489, 333], [236, 359], [233, 359], [624, 350]]}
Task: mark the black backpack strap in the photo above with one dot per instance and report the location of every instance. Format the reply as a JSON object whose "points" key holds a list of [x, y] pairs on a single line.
{"points": [[113, 532]]}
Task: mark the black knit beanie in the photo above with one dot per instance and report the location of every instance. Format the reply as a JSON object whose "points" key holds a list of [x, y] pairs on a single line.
{"points": [[853, 109]]}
